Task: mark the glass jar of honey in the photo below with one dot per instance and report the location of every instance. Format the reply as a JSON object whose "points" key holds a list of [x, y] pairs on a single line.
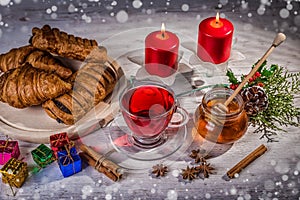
{"points": [[217, 126]]}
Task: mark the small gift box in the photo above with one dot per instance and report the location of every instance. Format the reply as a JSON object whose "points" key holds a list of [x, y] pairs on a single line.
{"points": [[42, 155], [8, 149], [14, 172], [69, 161], [58, 141]]}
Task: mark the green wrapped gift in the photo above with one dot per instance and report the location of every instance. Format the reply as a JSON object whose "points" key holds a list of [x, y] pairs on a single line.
{"points": [[42, 155]]}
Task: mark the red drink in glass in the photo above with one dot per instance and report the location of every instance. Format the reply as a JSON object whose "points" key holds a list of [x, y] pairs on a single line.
{"points": [[147, 110]]}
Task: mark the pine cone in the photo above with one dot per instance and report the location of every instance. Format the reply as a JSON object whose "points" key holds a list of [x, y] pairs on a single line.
{"points": [[256, 100]]}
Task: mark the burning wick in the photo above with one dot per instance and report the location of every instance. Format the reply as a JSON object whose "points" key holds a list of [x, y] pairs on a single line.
{"points": [[217, 18], [217, 23], [162, 35], [163, 30]]}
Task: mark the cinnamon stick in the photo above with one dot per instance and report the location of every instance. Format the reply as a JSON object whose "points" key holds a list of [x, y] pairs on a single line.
{"points": [[101, 163], [246, 161]]}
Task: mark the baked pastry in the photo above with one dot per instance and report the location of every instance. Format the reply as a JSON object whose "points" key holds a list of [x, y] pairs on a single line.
{"points": [[37, 58], [66, 45], [91, 84], [44, 60], [27, 86], [14, 58]]}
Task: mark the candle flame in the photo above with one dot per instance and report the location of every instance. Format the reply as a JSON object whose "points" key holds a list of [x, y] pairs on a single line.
{"points": [[217, 17], [163, 29]]}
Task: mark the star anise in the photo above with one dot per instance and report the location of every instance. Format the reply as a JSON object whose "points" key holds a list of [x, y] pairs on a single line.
{"points": [[205, 168], [159, 170], [197, 155], [189, 173]]}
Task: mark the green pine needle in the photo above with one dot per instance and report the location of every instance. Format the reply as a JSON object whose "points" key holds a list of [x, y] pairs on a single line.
{"points": [[280, 87], [231, 76]]}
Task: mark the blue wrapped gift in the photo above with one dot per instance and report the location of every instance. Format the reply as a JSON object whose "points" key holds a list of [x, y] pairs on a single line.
{"points": [[69, 161]]}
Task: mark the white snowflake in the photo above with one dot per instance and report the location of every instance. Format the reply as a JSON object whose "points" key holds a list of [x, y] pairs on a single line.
{"points": [[122, 16], [137, 4], [172, 195], [4, 2], [284, 13], [185, 7]]}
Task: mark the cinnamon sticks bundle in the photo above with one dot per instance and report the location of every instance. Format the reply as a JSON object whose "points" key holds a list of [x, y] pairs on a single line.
{"points": [[100, 163]]}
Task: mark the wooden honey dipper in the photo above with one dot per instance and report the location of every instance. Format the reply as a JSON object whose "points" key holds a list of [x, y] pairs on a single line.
{"points": [[219, 107]]}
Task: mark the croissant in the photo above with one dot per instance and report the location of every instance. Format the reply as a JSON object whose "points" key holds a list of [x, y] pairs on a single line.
{"points": [[14, 58], [44, 60], [27, 86], [91, 84], [66, 45], [37, 58]]}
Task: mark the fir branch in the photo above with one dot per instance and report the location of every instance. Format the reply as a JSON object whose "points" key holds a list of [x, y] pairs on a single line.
{"points": [[281, 87]]}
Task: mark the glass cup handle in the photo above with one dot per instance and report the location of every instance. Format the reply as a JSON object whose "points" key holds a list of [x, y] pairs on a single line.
{"points": [[180, 118]]}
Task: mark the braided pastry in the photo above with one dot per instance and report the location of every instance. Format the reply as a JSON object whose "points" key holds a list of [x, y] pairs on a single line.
{"points": [[37, 58], [91, 84], [58, 42], [27, 86]]}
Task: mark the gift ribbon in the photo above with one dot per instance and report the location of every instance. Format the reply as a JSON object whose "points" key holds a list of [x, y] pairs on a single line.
{"points": [[45, 156], [101, 159], [40, 151], [6, 143], [99, 162], [11, 182], [11, 179], [6, 146], [68, 159], [60, 138]]}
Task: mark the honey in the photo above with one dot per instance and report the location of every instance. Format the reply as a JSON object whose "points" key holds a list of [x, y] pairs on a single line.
{"points": [[221, 127]]}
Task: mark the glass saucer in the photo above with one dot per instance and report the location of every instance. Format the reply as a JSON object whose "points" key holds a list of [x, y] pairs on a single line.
{"points": [[122, 141]]}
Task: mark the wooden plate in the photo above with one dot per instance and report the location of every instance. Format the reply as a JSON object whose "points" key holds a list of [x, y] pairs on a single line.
{"points": [[32, 124]]}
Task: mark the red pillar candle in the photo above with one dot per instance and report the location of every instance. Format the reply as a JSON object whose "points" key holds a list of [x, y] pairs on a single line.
{"points": [[161, 53], [214, 39]]}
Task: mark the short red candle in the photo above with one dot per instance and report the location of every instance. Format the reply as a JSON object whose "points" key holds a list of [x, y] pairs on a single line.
{"points": [[214, 39], [161, 53]]}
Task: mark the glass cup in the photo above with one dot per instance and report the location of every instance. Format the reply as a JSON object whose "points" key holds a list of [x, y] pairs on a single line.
{"points": [[147, 108]]}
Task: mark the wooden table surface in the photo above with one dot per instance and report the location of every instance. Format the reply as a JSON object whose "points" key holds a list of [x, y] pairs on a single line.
{"points": [[275, 175]]}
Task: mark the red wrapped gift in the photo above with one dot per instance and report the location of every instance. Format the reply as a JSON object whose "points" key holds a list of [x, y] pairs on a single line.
{"points": [[58, 141], [8, 149]]}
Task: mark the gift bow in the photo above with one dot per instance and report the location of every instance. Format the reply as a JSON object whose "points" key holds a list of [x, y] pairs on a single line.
{"points": [[40, 151], [15, 165], [6, 146], [68, 159], [59, 138]]}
